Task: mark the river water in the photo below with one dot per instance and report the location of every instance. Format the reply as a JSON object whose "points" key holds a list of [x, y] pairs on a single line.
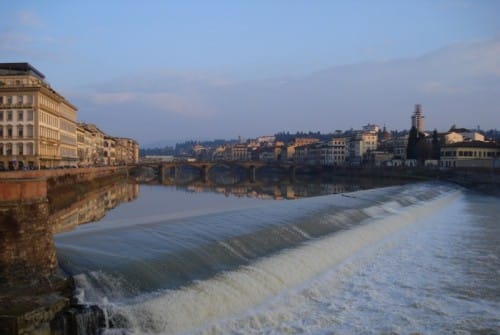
{"points": [[412, 259]]}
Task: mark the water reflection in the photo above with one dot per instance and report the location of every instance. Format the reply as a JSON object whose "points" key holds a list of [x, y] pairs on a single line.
{"points": [[92, 206], [287, 190]]}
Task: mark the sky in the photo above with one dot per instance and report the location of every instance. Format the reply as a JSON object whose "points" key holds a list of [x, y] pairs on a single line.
{"points": [[166, 71]]}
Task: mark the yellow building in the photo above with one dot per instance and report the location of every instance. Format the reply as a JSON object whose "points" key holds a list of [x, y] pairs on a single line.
{"points": [[298, 142], [109, 150], [37, 124], [362, 142], [474, 154], [92, 143], [84, 145], [127, 150]]}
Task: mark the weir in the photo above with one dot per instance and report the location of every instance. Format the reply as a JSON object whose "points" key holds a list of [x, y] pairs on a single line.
{"points": [[31, 290], [190, 271]]}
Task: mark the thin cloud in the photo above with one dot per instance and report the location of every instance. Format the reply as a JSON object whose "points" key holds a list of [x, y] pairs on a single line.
{"points": [[11, 42], [437, 88], [113, 98], [29, 19], [186, 105]]}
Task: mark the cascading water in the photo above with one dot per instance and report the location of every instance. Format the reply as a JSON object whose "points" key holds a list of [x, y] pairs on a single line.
{"points": [[197, 273]]}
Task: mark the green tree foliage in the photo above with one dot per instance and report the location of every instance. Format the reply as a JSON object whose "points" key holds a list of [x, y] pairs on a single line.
{"points": [[411, 149], [436, 146]]}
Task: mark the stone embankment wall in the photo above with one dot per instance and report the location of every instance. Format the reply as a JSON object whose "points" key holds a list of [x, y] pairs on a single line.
{"points": [[31, 292], [79, 175], [27, 253]]}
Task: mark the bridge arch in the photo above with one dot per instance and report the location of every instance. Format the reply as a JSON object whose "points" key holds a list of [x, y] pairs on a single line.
{"points": [[204, 168]]}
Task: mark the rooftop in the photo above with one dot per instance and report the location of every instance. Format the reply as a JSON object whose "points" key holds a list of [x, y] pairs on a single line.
{"points": [[20, 69], [472, 144]]}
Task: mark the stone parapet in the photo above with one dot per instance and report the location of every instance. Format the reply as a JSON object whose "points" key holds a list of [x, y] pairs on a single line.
{"points": [[20, 190]]}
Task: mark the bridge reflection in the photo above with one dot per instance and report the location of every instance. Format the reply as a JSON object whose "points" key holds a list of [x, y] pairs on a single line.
{"points": [[255, 179], [282, 190]]}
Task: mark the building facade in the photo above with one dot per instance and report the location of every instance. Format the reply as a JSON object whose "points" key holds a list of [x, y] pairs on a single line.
{"points": [[37, 124], [127, 151], [474, 154], [361, 143], [94, 145], [109, 150]]}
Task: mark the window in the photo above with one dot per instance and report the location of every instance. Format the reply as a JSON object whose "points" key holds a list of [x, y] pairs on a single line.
{"points": [[1, 115], [19, 99], [9, 116], [29, 149], [20, 115], [1, 131], [30, 131], [9, 100], [9, 131], [20, 150], [20, 131], [30, 115]]}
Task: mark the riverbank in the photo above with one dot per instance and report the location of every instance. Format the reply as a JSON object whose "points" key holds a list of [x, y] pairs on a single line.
{"points": [[485, 181]]}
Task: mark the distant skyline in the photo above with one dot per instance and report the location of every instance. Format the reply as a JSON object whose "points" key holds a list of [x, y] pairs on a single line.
{"points": [[177, 70]]}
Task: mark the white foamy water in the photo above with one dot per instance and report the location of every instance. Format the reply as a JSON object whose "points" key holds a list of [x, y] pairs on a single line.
{"points": [[409, 265], [412, 282]]}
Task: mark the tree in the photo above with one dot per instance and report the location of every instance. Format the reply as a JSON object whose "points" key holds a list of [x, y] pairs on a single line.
{"points": [[411, 149], [423, 149], [436, 146]]}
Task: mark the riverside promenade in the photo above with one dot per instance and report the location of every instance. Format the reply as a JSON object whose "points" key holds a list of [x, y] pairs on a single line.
{"points": [[32, 291]]}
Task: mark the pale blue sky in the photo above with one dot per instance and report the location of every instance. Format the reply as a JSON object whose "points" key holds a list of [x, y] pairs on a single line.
{"points": [[205, 69]]}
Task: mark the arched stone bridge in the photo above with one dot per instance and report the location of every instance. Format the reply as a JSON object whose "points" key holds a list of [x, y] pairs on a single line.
{"points": [[205, 166]]}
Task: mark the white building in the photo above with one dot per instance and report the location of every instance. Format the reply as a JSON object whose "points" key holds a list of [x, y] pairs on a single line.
{"points": [[362, 142]]}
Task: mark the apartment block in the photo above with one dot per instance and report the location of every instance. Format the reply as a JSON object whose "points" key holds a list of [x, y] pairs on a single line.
{"points": [[93, 148], [127, 150], [362, 142]]}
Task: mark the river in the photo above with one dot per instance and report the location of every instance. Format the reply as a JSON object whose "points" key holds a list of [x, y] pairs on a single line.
{"points": [[408, 259]]}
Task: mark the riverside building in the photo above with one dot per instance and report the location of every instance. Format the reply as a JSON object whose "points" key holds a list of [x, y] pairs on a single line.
{"points": [[37, 124]]}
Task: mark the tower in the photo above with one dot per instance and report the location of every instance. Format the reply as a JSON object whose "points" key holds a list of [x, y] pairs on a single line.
{"points": [[417, 119]]}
